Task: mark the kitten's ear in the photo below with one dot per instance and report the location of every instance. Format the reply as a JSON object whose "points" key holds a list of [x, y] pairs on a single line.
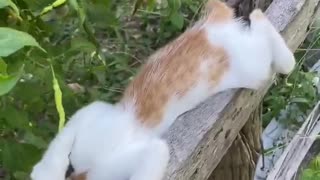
{"points": [[218, 11]]}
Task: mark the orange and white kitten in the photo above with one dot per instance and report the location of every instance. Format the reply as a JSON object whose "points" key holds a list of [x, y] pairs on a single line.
{"points": [[123, 141]]}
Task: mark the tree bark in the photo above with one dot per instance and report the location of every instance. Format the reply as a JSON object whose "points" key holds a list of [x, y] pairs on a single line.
{"points": [[239, 163], [287, 166]]}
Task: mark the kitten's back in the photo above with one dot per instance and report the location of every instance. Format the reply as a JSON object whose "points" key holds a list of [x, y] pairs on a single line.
{"points": [[179, 75]]}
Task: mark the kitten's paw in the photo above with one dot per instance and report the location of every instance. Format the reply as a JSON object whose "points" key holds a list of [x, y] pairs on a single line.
{"points": [[285, 62], [257, 15], [43, 172]]}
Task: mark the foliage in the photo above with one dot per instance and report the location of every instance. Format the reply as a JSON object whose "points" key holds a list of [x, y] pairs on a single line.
{"points": [[292, 97], [56, 56], [313, 171]]}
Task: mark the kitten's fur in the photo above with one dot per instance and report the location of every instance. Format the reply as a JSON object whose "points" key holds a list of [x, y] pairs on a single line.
{"points": [[122, 141]]}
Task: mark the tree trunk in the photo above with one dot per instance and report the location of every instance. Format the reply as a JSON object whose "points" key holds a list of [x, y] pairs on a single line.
{"points": [[239, 163]]}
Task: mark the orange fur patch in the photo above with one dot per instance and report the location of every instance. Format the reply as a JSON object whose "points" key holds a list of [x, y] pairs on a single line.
{"points": [[175, 68], [173, 71], [81, 176], [218, 11]]}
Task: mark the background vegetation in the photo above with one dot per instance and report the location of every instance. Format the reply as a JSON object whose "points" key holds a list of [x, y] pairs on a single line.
{"points": [[56, 56]]}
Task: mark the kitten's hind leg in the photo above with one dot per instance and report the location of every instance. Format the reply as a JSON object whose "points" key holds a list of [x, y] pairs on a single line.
{"points": [[55, 161], [144, 160], [154, 163], [283, 59]]}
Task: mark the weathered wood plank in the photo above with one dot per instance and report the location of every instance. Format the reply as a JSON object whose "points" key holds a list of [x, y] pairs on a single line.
{"points": [[289, 162], [201, 137], [239, 163]]}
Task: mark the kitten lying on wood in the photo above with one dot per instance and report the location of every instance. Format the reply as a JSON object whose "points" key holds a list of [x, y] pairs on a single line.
{"points": [[123, 141]]}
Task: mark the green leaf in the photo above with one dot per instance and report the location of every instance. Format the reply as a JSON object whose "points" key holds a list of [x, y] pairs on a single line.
{"points": [[300, 100], [14, 118], [310, 174], [38, 142], [7, 82], [82, 44], [315, 164], [19, 156], [174, 4], [21, 175], [80, 10], [3, 67], [58, 100], [137, 5], [55, 4], [100, 73], [36, 5], [177, 20], [97, 13], [12, 40], [6, 3]]}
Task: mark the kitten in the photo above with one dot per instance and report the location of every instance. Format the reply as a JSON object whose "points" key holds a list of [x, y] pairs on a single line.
{"points": [[123, 141]]}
